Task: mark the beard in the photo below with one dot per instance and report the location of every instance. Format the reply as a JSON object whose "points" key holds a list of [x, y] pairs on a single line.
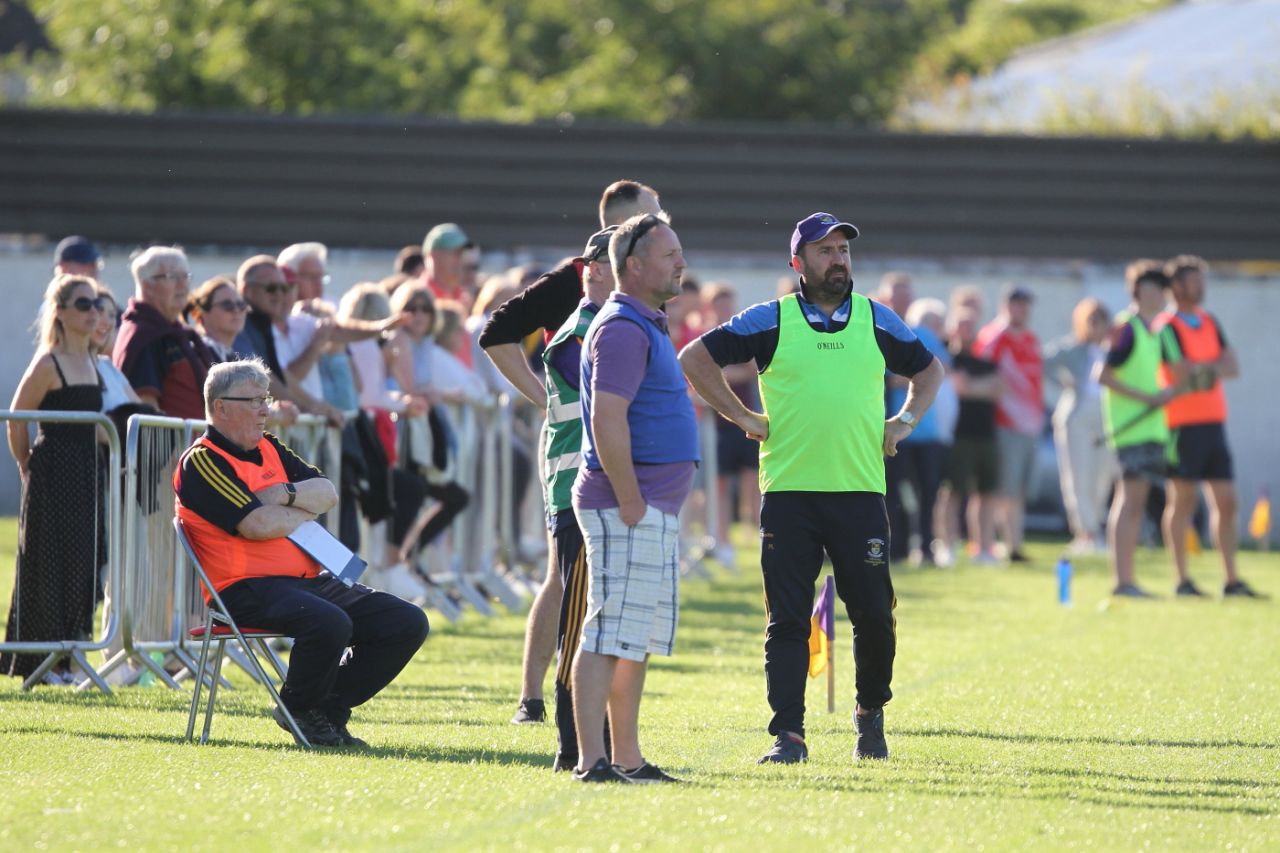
{"points": [[832, 286]]}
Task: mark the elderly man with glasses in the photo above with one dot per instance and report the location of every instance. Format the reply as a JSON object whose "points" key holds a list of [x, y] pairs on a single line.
{"points": [[164, 359], [241, 493]]}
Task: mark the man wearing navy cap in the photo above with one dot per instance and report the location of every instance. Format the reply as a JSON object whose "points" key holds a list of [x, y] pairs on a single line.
{"points": [[76, 256], [821, 355]]}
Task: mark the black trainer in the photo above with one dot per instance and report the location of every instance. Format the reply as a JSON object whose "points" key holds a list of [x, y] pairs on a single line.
{"points": [[1187, 589], [1240, 589], [871, 743], [647, 774], [601, 771], [787, 749], [530, 711], [313, 724], [348, 739], [563, 763]]}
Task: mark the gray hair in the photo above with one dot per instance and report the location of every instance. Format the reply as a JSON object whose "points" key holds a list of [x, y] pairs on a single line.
{"points": [[148, 262], [299, 252], [227, 374], [622, 238], [923, 308]]}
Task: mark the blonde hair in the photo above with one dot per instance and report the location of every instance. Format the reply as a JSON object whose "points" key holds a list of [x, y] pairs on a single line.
{"points": [[1086, 309], [497, 290], [448, 319], [105, 293], [55, 297], [365, 301]]}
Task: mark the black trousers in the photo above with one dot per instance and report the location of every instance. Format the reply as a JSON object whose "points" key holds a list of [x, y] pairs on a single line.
{"points": [[325, 617], [925, 461], [853, 529]]}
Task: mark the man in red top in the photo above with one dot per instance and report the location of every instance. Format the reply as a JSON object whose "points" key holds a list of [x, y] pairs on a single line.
{"points": [[442, 251], [1015, 349], [1195, 355], [241, 493]]}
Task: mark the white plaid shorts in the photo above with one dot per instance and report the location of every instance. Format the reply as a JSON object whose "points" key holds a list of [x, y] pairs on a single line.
{"points": [[633, 592]]}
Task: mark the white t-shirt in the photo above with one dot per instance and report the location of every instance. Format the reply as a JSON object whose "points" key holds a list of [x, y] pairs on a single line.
{"points": [[291, 343]]}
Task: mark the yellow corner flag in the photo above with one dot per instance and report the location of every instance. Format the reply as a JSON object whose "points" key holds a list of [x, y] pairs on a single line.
{"points": [[1193, 542], [822, 629], [1260, 519]]}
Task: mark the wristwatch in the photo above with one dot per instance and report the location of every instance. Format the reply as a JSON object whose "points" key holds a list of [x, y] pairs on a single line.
{"points": [[908, 419], [293, 493]]}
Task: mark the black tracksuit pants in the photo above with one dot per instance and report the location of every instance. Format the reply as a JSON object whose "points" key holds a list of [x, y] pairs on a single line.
{"points": [[853, 529]]}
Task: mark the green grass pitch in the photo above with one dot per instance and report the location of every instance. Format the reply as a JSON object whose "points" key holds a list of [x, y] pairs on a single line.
{"points": [[1017, 724]]}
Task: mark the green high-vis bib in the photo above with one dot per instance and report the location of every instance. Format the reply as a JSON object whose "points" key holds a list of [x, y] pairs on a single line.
{"points": [[1138, 371], [823, 394]]}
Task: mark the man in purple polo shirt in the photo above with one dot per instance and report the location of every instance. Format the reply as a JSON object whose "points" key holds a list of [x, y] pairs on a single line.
{"points": [[639, 449]]}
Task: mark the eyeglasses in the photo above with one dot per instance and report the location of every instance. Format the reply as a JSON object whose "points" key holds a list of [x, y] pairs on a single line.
{"points": [[419, 309], [273, 287], [230, 305], [256, 402], [85, 304], [646, 225], [173, 276]]}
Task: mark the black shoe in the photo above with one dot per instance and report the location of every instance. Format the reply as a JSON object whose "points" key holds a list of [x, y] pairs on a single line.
{"points": [[313, 724], [787, 749], [1131, 590], [1188, 589], [1017, 556], [530, 711], [348, 739], [647, 774], [563, 763], [601, 771], [1240, 589], [870, 728]]}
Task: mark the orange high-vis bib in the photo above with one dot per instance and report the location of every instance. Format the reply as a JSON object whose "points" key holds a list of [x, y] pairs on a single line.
{"points": [[1199, 346], [228, 558]]}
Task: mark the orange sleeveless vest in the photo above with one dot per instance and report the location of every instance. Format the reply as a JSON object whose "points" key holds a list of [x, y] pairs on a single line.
{"points": [[1199, 346], [227, 558]]}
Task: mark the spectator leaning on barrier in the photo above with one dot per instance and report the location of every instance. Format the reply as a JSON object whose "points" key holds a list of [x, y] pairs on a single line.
{"points": [[821, 357], [241, 493], [1195, 358], [1010, 343], [164, 359], [639, 450], [545, 306], [62, 529], [1132, 407]]}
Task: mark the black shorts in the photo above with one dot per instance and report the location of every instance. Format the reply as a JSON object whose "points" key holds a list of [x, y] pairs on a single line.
{"points": [[735, 452], [1144, 461], [972, 466], [1200, 452]]}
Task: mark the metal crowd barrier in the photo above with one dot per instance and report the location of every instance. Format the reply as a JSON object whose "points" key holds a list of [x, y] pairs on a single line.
{"points": [[75, 648]]}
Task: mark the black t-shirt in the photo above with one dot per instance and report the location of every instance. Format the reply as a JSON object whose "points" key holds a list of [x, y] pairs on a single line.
{"points": [[543, 305], [977, 418], [211, 489]]}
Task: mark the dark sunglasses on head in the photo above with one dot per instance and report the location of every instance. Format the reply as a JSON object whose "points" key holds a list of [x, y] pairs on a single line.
{"points": [[84, 303], [644, 227], [419, 308], [231, 305]]}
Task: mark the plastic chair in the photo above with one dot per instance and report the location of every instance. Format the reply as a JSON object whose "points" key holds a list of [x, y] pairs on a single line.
{"points": [[220, 628]]}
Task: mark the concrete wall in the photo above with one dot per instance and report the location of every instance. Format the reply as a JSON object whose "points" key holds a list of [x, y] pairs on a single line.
{"points": [[1246, 304]]}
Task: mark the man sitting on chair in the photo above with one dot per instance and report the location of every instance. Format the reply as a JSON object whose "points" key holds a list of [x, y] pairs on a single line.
{"points": [[241, 492]]}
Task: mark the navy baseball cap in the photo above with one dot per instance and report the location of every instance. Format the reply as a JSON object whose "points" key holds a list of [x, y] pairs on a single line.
{"points": [[815, 226], [77, 250], [598, 244]]}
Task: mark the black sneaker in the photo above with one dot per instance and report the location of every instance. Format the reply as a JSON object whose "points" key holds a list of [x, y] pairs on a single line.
{"points": [[313, 724], [1188, 589], [348, 739], [1240, 589], [601, 771], [787, 749], [647, 774], [530, 711], [870, 729], [1017, 556], [562, 763], [1131, 590]]}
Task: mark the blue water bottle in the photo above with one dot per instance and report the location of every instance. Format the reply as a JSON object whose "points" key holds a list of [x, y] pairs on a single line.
{"points": [[1064, 582]]}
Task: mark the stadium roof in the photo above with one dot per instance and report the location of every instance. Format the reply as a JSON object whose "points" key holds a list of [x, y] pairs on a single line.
{"points": [[1194, 59]]}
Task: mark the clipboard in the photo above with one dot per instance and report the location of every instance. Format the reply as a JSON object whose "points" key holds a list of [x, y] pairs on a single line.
{"points": [[334, 557]]}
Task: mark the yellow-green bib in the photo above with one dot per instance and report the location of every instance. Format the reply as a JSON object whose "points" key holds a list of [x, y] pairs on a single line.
{"points": [[823, 394]]}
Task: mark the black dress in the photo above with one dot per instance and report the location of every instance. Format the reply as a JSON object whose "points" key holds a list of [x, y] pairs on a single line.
{"points": [[61, 540]]}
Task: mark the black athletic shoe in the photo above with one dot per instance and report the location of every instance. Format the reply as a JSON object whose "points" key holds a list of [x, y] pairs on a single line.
{"points": [[562, 763], [530, 711], [1188, 589], [1240, 589], [870, 735], [313, 724], [601, 771], [787, 749], [348, 739], [1017, 556], [647, 774]]}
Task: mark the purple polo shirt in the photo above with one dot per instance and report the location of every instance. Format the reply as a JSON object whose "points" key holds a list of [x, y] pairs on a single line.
{"points": [[619, 354]]}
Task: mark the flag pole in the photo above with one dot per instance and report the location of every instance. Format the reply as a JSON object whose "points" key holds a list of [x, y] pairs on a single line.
{"points": [[829, 592]]}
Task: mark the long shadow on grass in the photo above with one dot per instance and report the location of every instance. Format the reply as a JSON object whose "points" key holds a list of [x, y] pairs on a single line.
{"points": [[1087, 739]]}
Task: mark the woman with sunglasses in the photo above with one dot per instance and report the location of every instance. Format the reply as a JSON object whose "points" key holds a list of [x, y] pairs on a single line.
{"points": [[62, 531]]}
